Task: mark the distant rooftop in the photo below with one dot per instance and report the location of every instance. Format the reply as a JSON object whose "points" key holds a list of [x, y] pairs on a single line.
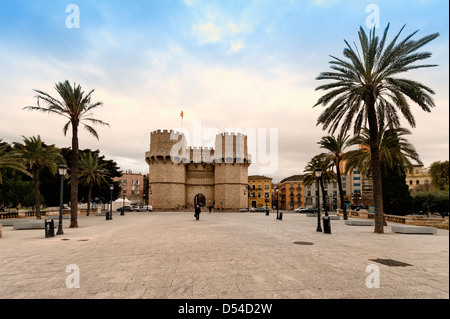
{"points": [[292, 178]]}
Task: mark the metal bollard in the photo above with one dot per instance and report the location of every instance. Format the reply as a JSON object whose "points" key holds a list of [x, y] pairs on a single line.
{"points": [[49, 228], [326, 225]]}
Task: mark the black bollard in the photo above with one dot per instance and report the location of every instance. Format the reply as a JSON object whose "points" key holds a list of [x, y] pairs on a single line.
{"points": [[49, 228], [326, 225]]}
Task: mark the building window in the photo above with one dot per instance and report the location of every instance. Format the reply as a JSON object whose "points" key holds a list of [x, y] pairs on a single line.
{"points": [[427, 182], [266, 186], [259, 194], [410, 182], [417, 182]]}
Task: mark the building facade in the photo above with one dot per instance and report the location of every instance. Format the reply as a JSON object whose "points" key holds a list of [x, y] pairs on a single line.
{"points": [[260, 188], [181, 176], [132, 186], [290, 193], [418, 178]]}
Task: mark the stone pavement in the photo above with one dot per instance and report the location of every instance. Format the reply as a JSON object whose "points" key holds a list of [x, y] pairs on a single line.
{"points": [[223, 255]]}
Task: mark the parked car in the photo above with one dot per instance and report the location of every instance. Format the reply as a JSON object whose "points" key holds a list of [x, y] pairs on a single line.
{"points": [[244, 210], [262, 209], [307, 210], [145, 208], [125, 209], [299, 209]]}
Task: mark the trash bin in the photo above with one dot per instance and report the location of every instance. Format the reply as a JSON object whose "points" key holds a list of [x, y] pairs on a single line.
{"points": [[49, 228], [326, 225]]}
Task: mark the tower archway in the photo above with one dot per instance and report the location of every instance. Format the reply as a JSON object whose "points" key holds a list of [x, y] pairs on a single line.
{"points": [[200, 199]]}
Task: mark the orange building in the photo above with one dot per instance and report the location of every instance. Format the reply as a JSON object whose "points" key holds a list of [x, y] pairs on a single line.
{"points": [[133, 186]]}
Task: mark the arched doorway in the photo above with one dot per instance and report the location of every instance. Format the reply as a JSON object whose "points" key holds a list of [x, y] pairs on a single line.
{"points": [[200, 199]]}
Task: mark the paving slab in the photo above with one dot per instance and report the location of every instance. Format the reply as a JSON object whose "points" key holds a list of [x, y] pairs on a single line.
{"points": [[222, 255]]}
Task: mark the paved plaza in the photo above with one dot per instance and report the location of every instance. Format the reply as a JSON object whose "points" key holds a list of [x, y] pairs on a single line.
{"points": [[162, 255]]}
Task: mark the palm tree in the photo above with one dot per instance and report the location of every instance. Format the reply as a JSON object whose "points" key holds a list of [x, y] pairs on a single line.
{"points": [[336, 148], [395, 150], [9, 161], [91, 173], [319, 161], [366, 89], [36, 156], [75, 106]]}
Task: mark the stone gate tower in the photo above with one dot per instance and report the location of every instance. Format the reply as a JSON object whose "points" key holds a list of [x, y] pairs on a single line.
{"points": [[180, 176]]}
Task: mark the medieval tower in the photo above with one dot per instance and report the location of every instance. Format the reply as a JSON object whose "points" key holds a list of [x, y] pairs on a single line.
{"points": [[181, 176]]}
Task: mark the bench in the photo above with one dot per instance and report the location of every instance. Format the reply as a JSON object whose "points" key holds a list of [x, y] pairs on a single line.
{"points": [[410, 229], [7, 222], [35, 224], [360, 222]]}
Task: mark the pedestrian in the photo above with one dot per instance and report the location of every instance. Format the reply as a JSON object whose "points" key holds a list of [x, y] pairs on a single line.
{"points": [[197, 212], [210, 209]]}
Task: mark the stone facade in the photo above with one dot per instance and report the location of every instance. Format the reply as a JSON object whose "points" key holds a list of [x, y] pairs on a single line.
{"points": [[180, 175]]}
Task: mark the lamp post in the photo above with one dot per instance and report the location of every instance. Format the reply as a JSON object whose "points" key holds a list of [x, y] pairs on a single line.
{"points": [[248, 197], [108, 217], [318, 174], [276, 192], [62, 170], [122, 212], [267, 204]]}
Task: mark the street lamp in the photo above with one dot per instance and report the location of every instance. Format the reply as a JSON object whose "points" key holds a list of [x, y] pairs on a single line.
{"points": [[108, 217], [318, 174], [62, 170], [276, 191], [123, 205]]}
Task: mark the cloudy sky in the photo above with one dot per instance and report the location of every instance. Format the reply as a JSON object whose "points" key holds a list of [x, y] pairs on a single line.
{"points": [[229, 65]]}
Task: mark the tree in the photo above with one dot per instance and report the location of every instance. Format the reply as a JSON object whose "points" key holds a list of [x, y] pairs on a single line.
{"points": [[8, 161], [394, 150], [336, 148], [36, 157], [75, 106], [91, 173], [396, 155], [319, 161], [439, 172], [365, 89]]}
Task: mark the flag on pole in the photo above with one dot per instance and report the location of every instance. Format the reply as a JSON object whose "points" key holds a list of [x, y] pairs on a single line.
{"points": [[181, 114]]}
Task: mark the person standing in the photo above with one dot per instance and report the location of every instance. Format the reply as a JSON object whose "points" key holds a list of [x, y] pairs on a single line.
{"points": [[210, 209], [197, 212]]}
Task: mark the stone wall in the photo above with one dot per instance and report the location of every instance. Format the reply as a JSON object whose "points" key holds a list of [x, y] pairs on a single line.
{"points": [[418, 220]]}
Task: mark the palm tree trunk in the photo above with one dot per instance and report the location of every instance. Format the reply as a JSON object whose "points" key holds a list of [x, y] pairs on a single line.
{"points": [[341, 193], [89, 200], [37, 194], [74, 178], [376, 168]]}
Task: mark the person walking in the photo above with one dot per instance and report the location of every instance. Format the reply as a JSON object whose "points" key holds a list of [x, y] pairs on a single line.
{"points": [[197, 212], [210, 209]]}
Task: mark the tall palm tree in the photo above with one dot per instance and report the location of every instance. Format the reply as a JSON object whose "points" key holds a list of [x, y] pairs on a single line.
{"points": [[36, 156], [75, 106], [91, 173], [395, 150], [366, 89], [319, 161], [336, 148], [9, 161]]}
